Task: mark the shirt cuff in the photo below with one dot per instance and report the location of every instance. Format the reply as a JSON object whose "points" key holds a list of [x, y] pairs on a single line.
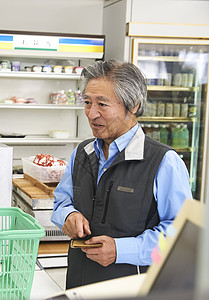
{"points": [[127, 250]]}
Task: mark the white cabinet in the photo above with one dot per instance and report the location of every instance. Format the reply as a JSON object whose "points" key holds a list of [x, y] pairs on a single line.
{"points": [[34, 121]]}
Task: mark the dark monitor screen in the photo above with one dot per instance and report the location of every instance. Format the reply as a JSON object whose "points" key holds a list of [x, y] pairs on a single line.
{"points": [[179, 269]]}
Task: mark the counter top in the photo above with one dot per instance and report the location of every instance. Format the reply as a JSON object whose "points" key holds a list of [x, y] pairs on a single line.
{"points": [[53, 247]]}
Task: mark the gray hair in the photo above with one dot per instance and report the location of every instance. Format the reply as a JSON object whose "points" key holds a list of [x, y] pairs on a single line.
{"points": [[129, 82]]}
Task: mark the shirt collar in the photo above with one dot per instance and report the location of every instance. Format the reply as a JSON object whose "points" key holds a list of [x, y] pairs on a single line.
{"points": [[121, 142]]}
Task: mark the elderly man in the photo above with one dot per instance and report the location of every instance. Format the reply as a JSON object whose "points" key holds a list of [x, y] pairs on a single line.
{"points": [[121, 188]]}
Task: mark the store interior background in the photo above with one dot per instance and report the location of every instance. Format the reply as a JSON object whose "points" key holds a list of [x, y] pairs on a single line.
{"points": [[98, 17], [108, 18]]}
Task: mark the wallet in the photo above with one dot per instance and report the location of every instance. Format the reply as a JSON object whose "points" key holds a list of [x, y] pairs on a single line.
{"points": [[81, 243]]}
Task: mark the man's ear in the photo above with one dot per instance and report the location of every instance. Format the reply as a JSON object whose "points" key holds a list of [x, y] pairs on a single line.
{"points": [[134, 110]]}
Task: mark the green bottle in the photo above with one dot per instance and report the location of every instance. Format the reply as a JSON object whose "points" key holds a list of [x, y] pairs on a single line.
{"points": [[184, 136], [164, 134], [176, 133]]}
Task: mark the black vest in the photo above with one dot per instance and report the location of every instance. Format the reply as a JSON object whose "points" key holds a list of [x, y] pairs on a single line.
{"points": [[121, 205]]}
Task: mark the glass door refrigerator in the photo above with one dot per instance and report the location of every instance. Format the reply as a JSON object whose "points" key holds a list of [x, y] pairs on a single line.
{"points": [[176, 71]]}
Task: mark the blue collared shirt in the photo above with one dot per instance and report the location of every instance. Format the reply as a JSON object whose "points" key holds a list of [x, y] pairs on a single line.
{"points": [[171, 187]]}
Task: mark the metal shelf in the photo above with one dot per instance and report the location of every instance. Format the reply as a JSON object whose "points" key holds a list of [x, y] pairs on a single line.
{"points": [[39, 140], [166, 119], [160, 58], [41, 106], [37, 75], [171, 88], [189, 149]]}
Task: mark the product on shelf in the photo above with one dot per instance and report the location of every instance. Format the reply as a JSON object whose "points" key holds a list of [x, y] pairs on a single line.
{"points": [[156, 132], [180, 136], [185, 79], [59, 97], [28, 68], [177, 81], [47, 69], [16, 66], [192, 110], [79, 98], [163, 134], [160, 109], [36, 68], [59, 134], [70, 97], [175, 136], [57, 69], [184, 108], [168, 79], [20, 100], [148, 130], [184, 136], [190, 79], [77, 70], [5, 66], [169, 109], [68, 69], [176, 109], [147, 111]]}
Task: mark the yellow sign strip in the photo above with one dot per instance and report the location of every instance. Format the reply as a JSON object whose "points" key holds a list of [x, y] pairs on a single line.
{"points": [[77, 48], [5, 45]]}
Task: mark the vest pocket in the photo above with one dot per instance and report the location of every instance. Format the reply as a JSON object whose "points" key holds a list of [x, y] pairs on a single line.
{"points": [[107, 201]]}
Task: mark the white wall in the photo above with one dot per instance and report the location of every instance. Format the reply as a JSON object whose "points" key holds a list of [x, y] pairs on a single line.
{"points": [[114, 27], [62, 16], [171, 11]]}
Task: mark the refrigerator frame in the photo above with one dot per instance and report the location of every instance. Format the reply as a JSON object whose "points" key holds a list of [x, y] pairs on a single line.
{"points": [[135, 40]]}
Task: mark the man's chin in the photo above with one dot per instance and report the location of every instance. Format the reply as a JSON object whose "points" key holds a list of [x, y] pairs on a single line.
{"points": [[98, 134]]}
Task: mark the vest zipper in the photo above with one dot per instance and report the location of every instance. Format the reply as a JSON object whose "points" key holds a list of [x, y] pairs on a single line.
{"points": [[93, 203], [107, 201]]}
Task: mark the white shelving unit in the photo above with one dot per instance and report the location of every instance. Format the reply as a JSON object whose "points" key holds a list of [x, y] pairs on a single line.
{"points": [[34, 121], [41, 106], [41, 75]]}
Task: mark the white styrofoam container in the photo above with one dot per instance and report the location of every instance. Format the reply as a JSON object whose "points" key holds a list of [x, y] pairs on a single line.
{"points": [[43, 174]]}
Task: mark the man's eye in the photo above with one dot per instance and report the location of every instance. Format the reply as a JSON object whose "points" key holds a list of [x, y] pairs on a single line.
{"points": [[102, 104], [86, 102]]}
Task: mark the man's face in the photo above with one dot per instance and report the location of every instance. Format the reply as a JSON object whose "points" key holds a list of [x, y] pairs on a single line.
{"points": [[105, 112]]}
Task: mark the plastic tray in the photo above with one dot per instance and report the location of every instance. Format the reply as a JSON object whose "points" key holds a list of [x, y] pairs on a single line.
{"points": [[20, 234], [43, 174]]}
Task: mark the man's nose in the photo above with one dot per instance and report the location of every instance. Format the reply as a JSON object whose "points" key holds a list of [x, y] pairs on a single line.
{"points": [[93, 112]]}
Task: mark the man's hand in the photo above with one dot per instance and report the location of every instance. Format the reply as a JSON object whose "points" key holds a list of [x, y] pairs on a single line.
{"points": [[104, 255], [76, 226]]}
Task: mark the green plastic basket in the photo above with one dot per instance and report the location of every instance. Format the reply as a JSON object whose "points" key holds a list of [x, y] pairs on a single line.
{"points": [[20, 235]]}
